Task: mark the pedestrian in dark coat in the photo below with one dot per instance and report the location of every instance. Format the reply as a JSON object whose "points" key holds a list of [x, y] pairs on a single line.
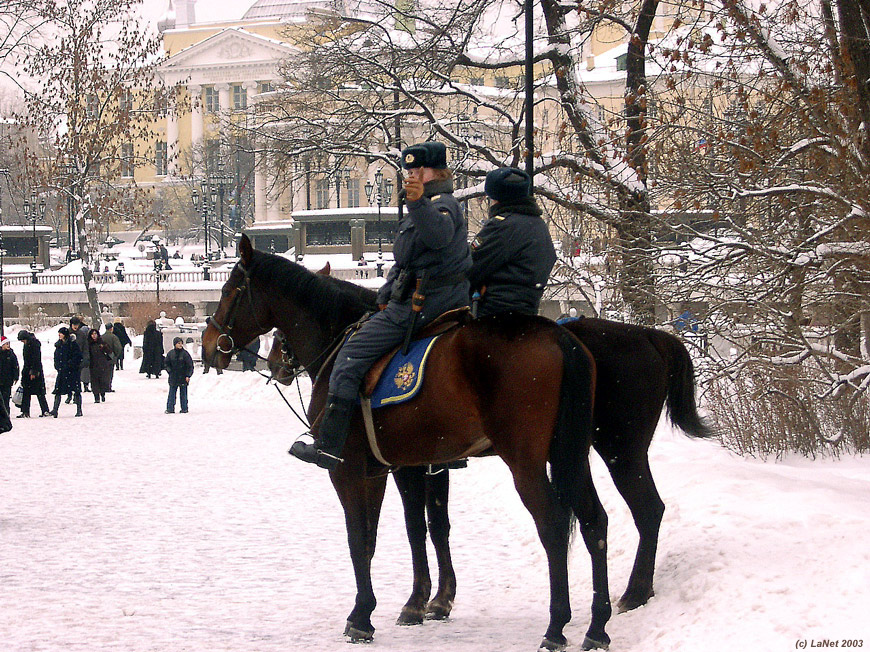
{"points": [[179, 368], [248, 355], [513, 253], [431, 246], [80, 331], [114, 344], [67, 362], [121, 333], [32, 375], [101, 365], [9, 371], [152, 351]]}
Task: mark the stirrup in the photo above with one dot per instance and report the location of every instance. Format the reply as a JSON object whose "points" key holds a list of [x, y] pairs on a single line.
{"points": [[305, 449]]}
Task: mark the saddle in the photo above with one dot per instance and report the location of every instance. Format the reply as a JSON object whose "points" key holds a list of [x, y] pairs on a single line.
{"points": [[440, 325]]}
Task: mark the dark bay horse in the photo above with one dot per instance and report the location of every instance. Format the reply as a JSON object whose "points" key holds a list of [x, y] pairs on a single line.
{"points": [[640, 371], [521, 385]]}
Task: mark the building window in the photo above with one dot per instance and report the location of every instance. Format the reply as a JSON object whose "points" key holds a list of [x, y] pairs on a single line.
{"points": [[127, 164], [353, 193], [240, 97], [160, 156], [327, 233], [266, 87], [477, 81], [125, 101], [211, 99], [321, 193], [92, 108], [211, 155], [502, 82]]}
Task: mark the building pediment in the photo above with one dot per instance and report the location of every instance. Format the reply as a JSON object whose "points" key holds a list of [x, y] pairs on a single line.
{"points": [[228, 54]]}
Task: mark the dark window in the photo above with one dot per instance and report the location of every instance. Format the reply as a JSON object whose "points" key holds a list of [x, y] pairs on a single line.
{"points": [[384, 230], [211, 99], [240, 97], [20, 247], [622, 62], [327, 233], [127, 164], [160, 165], [353, 193]]}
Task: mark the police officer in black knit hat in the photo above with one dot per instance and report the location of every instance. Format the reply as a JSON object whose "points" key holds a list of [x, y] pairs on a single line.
{"points": [[513, 253], [431, 249]]}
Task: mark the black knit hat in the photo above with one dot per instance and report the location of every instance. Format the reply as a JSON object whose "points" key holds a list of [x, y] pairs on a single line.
{"points": [[177, 340], [22, 335], [64, 330], [507, 184], [425, 155]]}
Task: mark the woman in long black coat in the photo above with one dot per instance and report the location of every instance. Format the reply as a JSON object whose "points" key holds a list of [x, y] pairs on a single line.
{"points": [[121, 333], [101, 364], [67, 362], [152, 351], [32, 376]]}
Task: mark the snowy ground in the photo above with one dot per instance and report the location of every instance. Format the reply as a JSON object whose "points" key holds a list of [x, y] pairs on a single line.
{"points": [[134, 531]]}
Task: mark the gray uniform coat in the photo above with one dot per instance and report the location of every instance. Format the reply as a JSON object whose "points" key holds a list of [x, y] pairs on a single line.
{"points": [[433, 236]]}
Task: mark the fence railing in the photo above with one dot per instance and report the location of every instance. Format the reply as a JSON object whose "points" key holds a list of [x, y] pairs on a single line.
{"points": [[108, 278]]}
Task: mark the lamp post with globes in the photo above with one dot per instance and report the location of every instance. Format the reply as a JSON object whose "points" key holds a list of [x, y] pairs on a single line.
{"points": [[219, 183], [201, 202], [379, 193]]}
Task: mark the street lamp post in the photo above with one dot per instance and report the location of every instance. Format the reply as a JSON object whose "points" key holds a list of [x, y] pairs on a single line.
{"points": [[202, 202], [218, 184], [158, 267], [381, 193], [3, 172]]}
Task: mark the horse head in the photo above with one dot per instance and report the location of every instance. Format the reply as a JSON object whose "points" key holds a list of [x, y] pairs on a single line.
{"points": [[242, 314]]}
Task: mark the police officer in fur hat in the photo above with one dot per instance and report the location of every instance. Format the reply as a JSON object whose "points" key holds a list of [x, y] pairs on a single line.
{"points": [[430, 249], [513, 253]]}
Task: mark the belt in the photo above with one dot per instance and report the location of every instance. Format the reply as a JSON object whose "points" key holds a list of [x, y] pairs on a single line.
{"points": [[435, 282]]}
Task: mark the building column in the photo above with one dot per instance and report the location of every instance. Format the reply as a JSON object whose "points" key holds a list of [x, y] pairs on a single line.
{"points": [[224, 96], [259, 186], [197, 127]]}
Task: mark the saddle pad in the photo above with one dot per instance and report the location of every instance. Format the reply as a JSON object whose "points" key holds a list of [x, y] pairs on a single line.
{"points": [[402, 377]]}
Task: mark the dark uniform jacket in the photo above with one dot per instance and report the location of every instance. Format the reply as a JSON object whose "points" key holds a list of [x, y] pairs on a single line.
{"points": [[433, 236], [513, 256], [8, 368], [101, 364], [179, 366], [67, 360], [31, 364]]}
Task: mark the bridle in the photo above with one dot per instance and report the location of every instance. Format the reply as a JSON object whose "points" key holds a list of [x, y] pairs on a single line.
{"points": [[226, 331]]}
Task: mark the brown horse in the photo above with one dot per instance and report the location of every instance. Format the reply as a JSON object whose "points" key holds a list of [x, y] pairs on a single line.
{"points": [[640, 370], [521, 385]]}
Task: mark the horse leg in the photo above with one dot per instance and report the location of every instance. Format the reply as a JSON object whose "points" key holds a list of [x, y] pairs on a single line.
{"points": [[552, 521], [362, 499], [411, 482], [593, 526], [633, 479], [437, 494]]}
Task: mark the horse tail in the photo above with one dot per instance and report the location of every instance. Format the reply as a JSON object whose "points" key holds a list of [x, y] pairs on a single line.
{"points": [[682, 408], [569, 449]]}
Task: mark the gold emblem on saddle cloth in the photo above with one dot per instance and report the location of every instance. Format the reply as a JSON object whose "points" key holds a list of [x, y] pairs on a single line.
{"points": [[406, 376]]}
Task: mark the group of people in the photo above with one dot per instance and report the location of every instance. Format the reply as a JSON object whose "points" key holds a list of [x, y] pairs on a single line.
{"points": [[84, 360], [505, 269]]}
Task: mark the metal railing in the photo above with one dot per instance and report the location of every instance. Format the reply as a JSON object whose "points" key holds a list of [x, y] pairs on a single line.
{"points": [[108, 278]]}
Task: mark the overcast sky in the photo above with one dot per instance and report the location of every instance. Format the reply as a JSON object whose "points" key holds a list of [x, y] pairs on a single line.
{"points": [[206, 10]]}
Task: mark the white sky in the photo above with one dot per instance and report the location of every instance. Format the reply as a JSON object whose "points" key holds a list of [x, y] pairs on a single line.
{"points": [[206, 10]]}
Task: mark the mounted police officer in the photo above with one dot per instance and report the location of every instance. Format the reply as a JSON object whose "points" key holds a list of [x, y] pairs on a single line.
{"points": [[513, 253], [432, 257]]}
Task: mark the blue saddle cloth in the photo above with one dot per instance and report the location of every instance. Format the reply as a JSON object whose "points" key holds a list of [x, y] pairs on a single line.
{"points": [[403, 376]]}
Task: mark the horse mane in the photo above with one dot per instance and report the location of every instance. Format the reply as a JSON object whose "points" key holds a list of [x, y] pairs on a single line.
{"points": [[328, 299]]}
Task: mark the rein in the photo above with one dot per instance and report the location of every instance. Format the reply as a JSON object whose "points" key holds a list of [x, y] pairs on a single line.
{"points": [[226, 331]]}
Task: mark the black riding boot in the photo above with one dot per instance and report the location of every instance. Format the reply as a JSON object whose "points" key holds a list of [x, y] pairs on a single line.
{"points": [[325, 452], [57, 398], [78, 400]]}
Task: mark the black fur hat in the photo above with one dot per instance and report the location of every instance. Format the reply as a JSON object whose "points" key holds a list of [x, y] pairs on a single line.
{"points": [[507, 184], [64, 330], [425, 155]]}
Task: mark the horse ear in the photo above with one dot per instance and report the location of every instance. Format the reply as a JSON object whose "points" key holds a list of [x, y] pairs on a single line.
{"points": [[246, 249], [326, 270]]}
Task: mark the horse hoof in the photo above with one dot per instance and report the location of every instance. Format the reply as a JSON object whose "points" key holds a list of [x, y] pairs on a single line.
{"points": [[628, 602], [410, 617], [592, 644], [357, 635], [436, 611], [550, 645]]}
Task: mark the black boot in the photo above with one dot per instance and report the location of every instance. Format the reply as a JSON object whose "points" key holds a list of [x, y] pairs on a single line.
{"points": [[325, 452], [78, 405], [56, 405]]}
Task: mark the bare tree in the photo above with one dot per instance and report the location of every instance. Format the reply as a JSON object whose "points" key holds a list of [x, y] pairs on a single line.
{"points": [[90, 95]]}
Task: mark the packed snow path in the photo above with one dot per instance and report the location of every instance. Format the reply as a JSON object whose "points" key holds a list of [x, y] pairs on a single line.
{"points": [[135, 531]]}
